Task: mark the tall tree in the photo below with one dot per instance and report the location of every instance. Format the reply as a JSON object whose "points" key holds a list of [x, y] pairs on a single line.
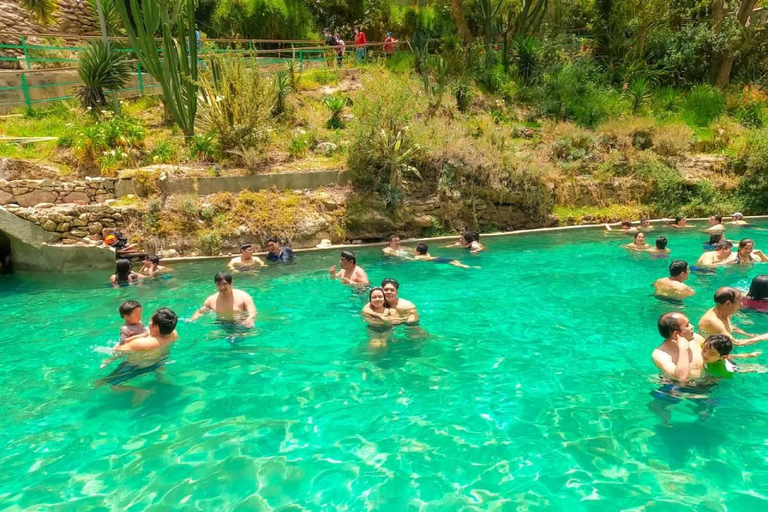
{"points": [[721, 11], [457, 13]]}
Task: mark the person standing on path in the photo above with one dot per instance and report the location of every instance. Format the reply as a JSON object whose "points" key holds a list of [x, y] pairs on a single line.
{"points": [[360, 42]]}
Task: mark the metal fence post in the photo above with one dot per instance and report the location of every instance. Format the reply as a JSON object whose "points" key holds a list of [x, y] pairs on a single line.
{"points": [[26, 52], [301, 61], [25, 88], [141, 80]]}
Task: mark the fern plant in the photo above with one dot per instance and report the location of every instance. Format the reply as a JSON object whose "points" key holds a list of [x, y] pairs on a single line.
{"points": [[101, 66], [336, 104], [42, 11]]}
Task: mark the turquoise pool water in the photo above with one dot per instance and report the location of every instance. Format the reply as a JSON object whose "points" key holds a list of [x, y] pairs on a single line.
{"points": [[530, 391]]}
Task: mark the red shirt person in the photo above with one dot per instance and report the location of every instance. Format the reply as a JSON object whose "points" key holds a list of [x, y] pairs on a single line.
{"points": [[390, 44], [360, 42]]}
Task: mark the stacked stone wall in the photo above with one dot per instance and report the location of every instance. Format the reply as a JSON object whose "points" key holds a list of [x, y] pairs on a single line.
{"points": [[27, 193]]}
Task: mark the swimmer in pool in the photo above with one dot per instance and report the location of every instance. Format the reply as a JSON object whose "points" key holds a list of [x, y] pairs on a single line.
{"points": [[757, 296], [394, 249], [722, 255], [124, 274], [681, 222], [714, 238], [746, 254], [639, 243], [737, 219], [152, 267], [717, 356], [718, 319], [405, 309], [377, 309], [246, 260], [422, 254], [679, 356], [469, 240], [350, 273], [626, 227], [674, 286], [645, 224], [228, 303], [661, 247], [716, 224]]}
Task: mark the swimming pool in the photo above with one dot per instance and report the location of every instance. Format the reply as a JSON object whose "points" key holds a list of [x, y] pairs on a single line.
{"points": [[530, 391]]}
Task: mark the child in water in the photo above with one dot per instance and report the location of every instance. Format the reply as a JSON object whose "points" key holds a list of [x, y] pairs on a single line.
{"points": [[130, 310], [716, 352]]}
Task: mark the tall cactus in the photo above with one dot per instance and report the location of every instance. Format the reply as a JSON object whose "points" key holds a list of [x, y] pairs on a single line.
{"points": [[174, 65]]}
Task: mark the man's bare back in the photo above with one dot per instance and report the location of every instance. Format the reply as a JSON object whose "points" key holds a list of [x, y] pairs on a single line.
{"points": [[670, 288]]}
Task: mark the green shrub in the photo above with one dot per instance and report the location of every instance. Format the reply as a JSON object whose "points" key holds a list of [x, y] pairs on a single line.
{"points": [[106, 143], [301, 143], [462, 92], [702, 105], [203, 146], [164, 152], [665, 101], [401, 62], [525, 56], [638, 93], [336, 105], [669, 190], [753, 187], [209, 242]]}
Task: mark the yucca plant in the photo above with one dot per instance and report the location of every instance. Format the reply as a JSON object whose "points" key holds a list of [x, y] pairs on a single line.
{"points": [[283, 88], [396, 151], [293, 68], [462, 91], [336, 105], [101, 66], [639, 93], [42, 11], [526, 58]]}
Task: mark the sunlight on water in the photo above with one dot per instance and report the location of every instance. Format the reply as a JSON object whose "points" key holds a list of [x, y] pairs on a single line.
{"points": [[530, 391]]}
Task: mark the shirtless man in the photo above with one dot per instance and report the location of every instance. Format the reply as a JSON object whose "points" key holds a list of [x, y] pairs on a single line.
{"points": [[144, 354], [718, 319], [246, 260], [422, 254], [393, 248], [747, 254], [722, 255], [737, 219], [681, 222], [679, 357], [645, 224], [228, 302], [350, 273], [626, 227], [674, 285], [716, 224], [152, 267], [404, 308]]}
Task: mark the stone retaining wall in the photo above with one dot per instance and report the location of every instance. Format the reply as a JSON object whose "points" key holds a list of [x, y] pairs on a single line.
{"points": [[35, 192], [75, 224]]}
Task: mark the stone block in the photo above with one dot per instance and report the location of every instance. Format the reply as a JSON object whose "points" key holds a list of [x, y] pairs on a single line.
{"points": [[49, 225], [79, 233], [95, 228], [63, 227], [6, 198], [73, 197], [36, 197]]}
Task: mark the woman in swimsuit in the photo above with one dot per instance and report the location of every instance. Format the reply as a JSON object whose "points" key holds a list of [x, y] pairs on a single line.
{"points": [[469, 240], [123, 274], [757, 297], [380, 318], [639, 243]]}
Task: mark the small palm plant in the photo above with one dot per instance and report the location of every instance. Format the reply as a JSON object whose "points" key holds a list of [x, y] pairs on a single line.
{"points": [[336, 104], [42, 11], [639, 93], [283, 89], [101, 66]]}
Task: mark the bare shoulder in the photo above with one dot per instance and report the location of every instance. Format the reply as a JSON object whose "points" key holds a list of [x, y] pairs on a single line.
{"points": [[242, 294]]}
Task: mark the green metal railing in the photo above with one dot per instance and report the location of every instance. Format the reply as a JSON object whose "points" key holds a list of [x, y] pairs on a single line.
{"points": [[307, 53]]}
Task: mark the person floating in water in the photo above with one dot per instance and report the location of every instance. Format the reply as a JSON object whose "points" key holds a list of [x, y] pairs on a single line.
{"points": [[393, 248], [681, 223], [716, 224], [718, 319], [277, 253], [405, 309], [228, 303], [152, 267], [350, 273], [626, 227], [716, 353], [757, 297], [674, 286], [639, 243], [746, 254], [469, 240], [246, 261], [422, 254], [722, 255], [144, 354], [124, 274], [737, 219]]}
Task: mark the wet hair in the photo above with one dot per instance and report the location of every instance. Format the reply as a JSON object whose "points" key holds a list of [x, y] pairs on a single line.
{"points": [[669, 323], [128, 307], [468, 236], [392, 237], [714, 238], [645, 219], [123, 270], [661, 243], [726, 294], [376, 289], [626, 224], [244, 247], [677, 267], [349, 256], [165, 320], [273, 239], [718, 218], [638, 234], [746, 241], [758, 290], [391, 281], [422, 248], [153, 258], [720, 342], [723, 244], [222, 277], [678, 219]]}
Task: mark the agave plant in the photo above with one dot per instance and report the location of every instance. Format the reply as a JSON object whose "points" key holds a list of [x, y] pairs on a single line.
{"points": [[101, 66], [638, 92], [42, 11], [526, 58], [336, 105], [283, 88], [396, 151]]}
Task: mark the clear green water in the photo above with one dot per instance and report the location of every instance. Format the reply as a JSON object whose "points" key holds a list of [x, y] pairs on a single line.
{"points": [[530, 392]]}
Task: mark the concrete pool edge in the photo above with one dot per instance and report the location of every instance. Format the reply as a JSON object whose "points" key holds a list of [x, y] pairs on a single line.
{"points": [[191, 259]]}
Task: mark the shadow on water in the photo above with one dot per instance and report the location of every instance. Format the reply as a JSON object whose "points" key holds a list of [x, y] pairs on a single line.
{"points": [[682, 440]]}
